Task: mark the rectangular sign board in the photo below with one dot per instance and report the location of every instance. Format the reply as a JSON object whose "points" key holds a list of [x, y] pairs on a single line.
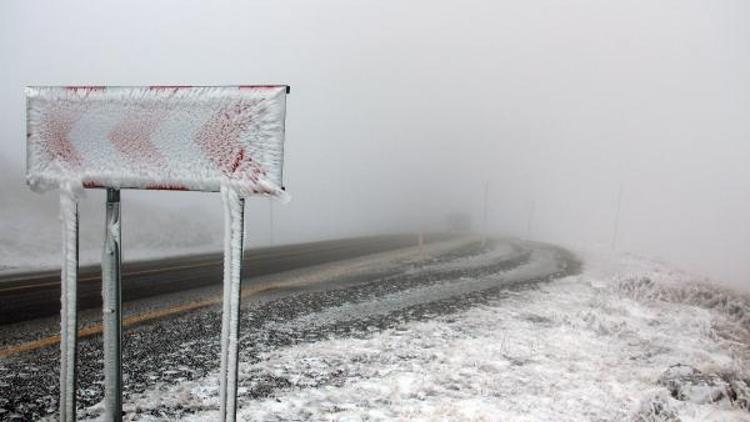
{"points": [[157, 137]]}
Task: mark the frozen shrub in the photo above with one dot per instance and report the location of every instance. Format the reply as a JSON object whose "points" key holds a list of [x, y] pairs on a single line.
{"points": [[732, 305], [656, 409], [726, 389]]}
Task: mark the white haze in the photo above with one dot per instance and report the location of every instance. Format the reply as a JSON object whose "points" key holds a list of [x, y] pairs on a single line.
{"points": [[400, 111]]}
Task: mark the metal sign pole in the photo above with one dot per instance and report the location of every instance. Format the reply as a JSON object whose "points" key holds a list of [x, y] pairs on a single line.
{"points": [[111, 309], [233, 253], [234, 345], [69, 308]]}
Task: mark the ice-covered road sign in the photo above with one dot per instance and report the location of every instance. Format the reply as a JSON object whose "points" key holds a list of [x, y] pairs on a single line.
{"points": [[157, 137], [228, 139]]}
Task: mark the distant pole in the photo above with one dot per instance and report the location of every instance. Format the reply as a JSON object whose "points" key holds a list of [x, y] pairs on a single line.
{"points": [[421, 214], [484, 213], [530, 220], [270, 221], [617, 218]]}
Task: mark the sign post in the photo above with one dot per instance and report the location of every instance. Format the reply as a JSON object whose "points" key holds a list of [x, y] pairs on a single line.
{"points": [[234, 207], [112, 307], [68, 309], [227, 139]]}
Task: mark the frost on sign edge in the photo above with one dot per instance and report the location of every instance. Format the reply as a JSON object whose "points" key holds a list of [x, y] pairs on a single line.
{"points": [[157, 137]]}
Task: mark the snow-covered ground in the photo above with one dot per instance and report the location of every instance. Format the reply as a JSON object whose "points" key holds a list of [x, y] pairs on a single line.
{"points": [[602, 345]]}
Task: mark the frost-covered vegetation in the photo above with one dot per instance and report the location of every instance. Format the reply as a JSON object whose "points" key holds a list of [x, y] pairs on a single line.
{"points": [[628, 339]]}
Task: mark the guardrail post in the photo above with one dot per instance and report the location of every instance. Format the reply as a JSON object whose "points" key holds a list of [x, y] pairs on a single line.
{"points": [[234, 208], [111, 309], [69, 307]]}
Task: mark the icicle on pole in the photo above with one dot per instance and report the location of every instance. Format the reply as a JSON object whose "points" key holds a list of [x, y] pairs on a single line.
{"points": [[111, 309], [234, 228], [69, 306]]}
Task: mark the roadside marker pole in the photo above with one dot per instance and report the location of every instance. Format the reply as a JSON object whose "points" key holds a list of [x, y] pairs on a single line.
{"points": [[69, 308], [484, 213], [617, 218], [270, 223], [530, 219], [111, 309]]}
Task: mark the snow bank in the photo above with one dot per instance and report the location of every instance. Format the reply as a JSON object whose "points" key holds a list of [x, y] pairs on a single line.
{"points": [[569, 352]]}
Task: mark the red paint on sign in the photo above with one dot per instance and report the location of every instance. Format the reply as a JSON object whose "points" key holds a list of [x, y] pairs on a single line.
{"points": [[85, 88], [260, 87], [55, 128], [173, 88], [220, 139], [165, 186], [132, 138]]}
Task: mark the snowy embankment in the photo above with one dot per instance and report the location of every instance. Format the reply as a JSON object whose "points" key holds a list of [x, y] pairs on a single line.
{"points": [[628, 339]]}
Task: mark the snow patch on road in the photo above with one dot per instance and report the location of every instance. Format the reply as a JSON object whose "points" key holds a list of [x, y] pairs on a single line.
{"points": [[543, 262], [494, 253]]}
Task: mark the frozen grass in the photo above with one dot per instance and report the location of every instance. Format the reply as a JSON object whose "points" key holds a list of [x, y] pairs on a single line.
{"points": [[589, 347], [731, 309]]}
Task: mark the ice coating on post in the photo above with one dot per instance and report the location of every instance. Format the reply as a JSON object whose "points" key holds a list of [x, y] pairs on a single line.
{"points": [[68, 309], [157, 137], [234, 208], [112, 309]]}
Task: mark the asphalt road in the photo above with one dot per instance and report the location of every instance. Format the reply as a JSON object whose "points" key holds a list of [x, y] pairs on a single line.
{"points": [[383, 295], [33, 295]]}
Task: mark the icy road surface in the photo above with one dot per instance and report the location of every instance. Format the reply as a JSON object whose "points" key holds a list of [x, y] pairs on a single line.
{"points": [[469, 333]]}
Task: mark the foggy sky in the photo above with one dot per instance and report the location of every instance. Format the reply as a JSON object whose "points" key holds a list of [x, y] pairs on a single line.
{"points": [[400, 111]]}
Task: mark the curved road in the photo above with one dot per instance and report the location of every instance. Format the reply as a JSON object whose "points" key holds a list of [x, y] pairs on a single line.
{"points": [[33, 295], [349, 299]]}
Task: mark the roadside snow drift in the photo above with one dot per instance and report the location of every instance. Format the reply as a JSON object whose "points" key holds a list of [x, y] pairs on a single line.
{"points": [[585, 347]]}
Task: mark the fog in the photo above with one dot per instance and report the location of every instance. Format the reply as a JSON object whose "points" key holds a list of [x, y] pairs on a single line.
{"points": [[400, 112]]}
